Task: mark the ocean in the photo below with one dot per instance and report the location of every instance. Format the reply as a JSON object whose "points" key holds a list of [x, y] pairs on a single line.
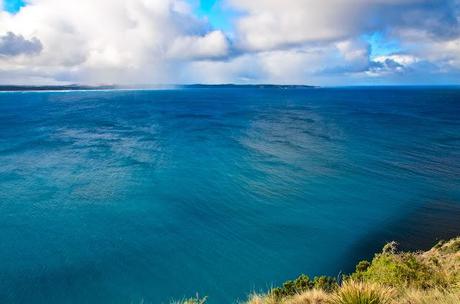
{"points": [[149, 196]]}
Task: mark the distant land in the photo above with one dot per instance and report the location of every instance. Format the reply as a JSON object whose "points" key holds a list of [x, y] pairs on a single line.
{"points": [[8, 88], [246, 86], [13, 88]]}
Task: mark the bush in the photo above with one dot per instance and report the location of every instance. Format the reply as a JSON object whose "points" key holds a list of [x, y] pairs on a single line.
{"points": [[401, 270], [451, 247], [304, 283], [290, 288], [391, 277], [439, 244], [324, 283], [362, 266], [390, 248]]}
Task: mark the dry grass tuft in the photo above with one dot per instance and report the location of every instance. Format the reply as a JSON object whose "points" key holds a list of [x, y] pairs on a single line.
{"points": [[353, 292], [417, 296], [312, 296]]}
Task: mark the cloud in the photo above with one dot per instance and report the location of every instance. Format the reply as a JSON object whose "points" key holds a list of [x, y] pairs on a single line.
{"points": [[271, 24], [428, 35], [389, 64], [296, 41], [111, 41], [14, 45], [290, 66], [211, 45]]}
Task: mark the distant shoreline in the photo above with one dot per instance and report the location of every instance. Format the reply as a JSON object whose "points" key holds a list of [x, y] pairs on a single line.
{"points": [[20, 88], [27, 88], [74, 87]]}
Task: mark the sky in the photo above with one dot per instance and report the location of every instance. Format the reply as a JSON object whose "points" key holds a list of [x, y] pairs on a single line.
{"points": [[317, 42]]}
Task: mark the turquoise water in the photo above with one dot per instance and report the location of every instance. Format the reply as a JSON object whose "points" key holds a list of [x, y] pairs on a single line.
{"points": [[146, 196]]}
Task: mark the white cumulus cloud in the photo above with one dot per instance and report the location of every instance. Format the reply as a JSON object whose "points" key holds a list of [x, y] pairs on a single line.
{"points": [[109, 41], [294, 41], [213, 44]]}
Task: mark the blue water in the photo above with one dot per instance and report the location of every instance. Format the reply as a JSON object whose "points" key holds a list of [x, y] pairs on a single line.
{"points": [[148, 196]]}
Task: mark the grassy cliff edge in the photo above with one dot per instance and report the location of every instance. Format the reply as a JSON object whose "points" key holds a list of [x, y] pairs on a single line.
{"points": [[392, 277]]}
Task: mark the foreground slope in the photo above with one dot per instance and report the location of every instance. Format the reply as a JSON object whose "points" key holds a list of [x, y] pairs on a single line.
{"points": [[392, 277]]}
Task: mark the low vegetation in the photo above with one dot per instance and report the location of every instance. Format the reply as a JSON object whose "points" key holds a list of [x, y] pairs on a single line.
{"points": [[196, 300], [392, 277]]}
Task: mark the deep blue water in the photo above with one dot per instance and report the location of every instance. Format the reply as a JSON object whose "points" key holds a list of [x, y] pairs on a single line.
{"points": [[146, 196]]}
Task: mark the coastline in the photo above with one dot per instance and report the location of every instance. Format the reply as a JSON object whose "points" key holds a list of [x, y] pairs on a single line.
{"points": [[77, 87], [392, 276]]}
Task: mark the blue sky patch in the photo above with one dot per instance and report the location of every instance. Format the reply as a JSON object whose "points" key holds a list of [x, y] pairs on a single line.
{"points": [[13, 6], [380, 46], [218, 16]]}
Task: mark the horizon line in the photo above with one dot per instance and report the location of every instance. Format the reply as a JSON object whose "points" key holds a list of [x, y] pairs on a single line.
{"points": [[138, 87]]}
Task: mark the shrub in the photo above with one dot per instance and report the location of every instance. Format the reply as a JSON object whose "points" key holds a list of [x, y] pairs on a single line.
{"points": [[439, 244], [391, 248], [362, 266], [304, 283], [324, 283], [290, 288], [451, 247], [401, 270], [391, 277]]}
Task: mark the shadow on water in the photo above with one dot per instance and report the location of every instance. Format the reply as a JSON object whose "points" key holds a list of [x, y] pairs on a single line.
{"points": [[417, 230]]}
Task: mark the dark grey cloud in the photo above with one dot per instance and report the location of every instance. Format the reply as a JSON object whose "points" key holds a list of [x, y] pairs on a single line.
{"points": [[439, 19], [14, 45]]}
